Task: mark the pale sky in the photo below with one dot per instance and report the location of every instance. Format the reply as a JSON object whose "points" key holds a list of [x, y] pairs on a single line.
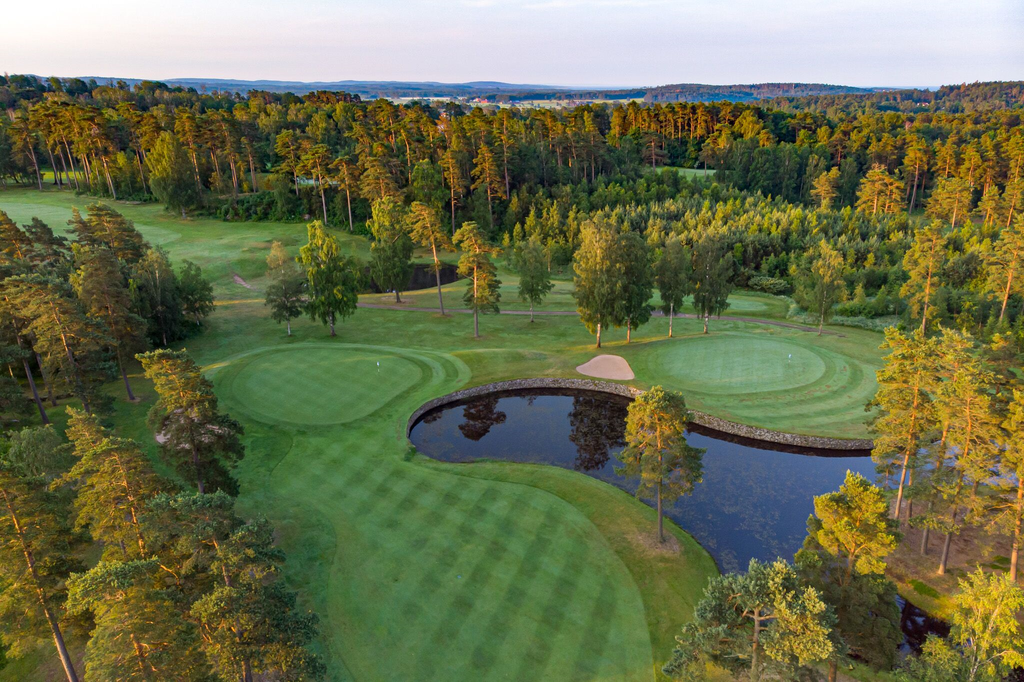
{"points": [[558, 42]]}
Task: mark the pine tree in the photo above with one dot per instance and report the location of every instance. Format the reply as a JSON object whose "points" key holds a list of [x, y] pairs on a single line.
{"points": [[200, 442], [69, 342], [249, 622], [923, 262], [425, 229], [848, 538], [483, 291], [486, 177], [139, 633], [950, 201], [1006, 264], [826, 189], [333, 278], [906, 413], [656, 450], [1006, 507], [972, 429], [103, 226], [15, 245], [100, 286], [34, 561], [673, 274], [113, 479]]}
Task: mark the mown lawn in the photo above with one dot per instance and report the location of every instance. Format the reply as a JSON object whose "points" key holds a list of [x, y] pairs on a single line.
{"points": [[422, 570]]}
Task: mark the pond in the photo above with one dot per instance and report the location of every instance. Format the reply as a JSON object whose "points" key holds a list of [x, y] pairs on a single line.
{"points": [[753, 502], [422, 277]]}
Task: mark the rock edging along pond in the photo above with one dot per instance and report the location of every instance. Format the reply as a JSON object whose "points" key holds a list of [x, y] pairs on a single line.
{"points": [[700, 418]]}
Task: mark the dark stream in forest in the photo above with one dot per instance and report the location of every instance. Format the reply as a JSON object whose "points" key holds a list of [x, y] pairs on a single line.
{"points": [[753, 502]]}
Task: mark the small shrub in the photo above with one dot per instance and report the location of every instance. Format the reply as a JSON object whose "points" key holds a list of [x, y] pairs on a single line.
{"points": [[769, 285]]}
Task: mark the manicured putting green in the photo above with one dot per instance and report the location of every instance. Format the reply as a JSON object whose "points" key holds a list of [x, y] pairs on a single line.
{"points": [[740, 364], [320, 385], [781, 379]]}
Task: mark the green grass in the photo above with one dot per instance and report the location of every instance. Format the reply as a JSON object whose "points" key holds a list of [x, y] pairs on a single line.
{"points": [[423, 570]]}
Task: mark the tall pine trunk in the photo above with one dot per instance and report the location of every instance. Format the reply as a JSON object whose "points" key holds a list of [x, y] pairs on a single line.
{"points": [[51, 620]]}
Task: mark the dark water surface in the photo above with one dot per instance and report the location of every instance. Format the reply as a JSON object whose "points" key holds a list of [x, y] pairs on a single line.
{"points": [[753, 502], [422, 277]]}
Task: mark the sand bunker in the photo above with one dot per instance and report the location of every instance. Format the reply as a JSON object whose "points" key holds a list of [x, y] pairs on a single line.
{"points": [[607, 367]]}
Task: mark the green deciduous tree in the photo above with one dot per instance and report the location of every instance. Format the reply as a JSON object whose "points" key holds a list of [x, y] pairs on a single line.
{"points": [[154, 289], [197, 439], [985, 641], [712, 278], [530, 261], [821, 282], [483, 291], [597, 277], [656, 450], [673, 275], [194, 292], [742, 616], [333, 278], [171, 175], [636, 281], [391, 259]]}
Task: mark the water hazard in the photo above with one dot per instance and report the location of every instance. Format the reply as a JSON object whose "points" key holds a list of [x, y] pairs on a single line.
{"points": [[753, 502]]}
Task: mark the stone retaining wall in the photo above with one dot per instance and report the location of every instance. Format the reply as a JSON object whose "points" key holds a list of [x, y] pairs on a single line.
{"points": [[732, 428]]}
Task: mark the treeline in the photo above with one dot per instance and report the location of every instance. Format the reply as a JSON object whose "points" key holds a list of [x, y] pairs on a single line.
{"points": [[269, 155], [833, 605], [74, 313], [184, 587], [963, 98]]}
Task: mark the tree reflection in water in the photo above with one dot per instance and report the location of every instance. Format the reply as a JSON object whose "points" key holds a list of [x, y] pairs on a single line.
{"points": [[596, 428], [479, 416]]}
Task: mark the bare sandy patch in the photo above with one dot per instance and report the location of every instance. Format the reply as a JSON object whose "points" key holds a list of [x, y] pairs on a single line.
{"points": [[647, 543], [607, 367], [241, 282]]}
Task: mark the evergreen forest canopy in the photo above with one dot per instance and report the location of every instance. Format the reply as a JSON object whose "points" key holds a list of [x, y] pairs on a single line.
{"points": [[786, 176]]}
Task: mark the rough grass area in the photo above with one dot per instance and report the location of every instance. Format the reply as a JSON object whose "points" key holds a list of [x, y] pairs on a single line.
{"points": [[422, 570]]}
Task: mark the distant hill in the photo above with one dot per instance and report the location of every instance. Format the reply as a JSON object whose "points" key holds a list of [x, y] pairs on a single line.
{"points": [[696, 92], [497, 91], [365, 89]]}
